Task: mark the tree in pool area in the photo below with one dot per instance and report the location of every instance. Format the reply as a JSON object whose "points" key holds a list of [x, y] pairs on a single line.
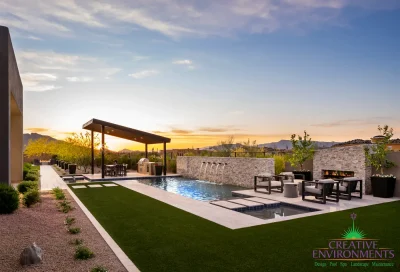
{"points": [[303, 149]]}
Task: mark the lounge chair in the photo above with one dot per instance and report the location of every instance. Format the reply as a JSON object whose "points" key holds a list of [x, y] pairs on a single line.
{"points": [[291, 177], [348, 186], [321, 190], [269, 182]]}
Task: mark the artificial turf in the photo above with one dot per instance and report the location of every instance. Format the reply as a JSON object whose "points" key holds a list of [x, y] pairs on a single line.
{"points": [[159, 237]]}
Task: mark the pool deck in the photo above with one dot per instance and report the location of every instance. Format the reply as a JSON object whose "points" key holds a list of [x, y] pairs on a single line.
{"points": [[367, 200], [129, 176]]}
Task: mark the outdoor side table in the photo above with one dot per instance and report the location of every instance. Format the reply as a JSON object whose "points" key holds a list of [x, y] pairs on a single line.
{"points": [[290, 190]]}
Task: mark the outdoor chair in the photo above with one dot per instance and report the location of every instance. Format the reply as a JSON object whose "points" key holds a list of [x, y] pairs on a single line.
{"points": [[295, 178], [270, 182], [321, 190], [348, 186]]}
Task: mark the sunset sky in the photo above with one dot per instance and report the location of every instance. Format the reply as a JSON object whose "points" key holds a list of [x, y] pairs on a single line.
{"points": [[199, 71]]}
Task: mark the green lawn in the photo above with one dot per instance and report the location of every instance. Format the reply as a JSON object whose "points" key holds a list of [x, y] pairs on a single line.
{"points": [[159, 237]]}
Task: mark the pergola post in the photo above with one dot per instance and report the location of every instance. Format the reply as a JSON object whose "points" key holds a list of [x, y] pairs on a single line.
{"points": [[92, 152], [165, 158], [102, 152], [145, 151]]}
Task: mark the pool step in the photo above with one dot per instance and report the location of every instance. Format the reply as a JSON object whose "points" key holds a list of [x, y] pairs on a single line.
{"points": [[262, 200], [246, 202], [227, 204]]}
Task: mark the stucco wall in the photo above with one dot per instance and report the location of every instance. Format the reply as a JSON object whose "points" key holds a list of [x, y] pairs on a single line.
{"points": [[11, 119], [345, 158], [237, 171]]}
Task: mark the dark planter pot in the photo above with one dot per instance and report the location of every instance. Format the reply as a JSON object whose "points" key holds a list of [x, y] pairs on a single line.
{"points": [[61, 164], [307, 174], [159, 170], [72, 168], [66, 165], [383, 187]]}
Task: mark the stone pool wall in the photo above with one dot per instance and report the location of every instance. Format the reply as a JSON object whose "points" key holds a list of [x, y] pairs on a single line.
{"points": [[237, 171], [345, 158]]}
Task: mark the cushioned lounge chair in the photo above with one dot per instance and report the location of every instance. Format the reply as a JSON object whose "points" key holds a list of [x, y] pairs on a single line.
{"points": [[321, 190], [348, 186], [295, 178], [269, 182]]}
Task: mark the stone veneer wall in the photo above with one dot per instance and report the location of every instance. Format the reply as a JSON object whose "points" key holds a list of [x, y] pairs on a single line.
{"points": [[238, 171], [345, 158]]}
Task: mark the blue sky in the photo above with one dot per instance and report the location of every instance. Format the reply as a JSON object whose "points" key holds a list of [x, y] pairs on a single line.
{"points": [[199, 71]]}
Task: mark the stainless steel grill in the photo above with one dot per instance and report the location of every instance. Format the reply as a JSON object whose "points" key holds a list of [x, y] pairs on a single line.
{"points": [[146, 167]]}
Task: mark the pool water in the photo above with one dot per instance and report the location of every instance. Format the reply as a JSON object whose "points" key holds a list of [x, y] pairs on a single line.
{"points": [[192, 188], [276, 211]]}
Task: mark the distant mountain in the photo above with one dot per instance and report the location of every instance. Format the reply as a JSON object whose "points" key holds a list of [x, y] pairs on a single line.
{"points": [[287, 144], [125, 151], [35, 136]]}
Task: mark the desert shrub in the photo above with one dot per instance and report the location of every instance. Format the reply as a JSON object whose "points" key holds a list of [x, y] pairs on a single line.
{"points": [[171, 165], [9, 199], [31, 197], [83, 253], [74, 230], [32, 176], [99, 268], [69, 220], [58, 193], [76, 242], [279, 163], [25, 186], [64, 206]]}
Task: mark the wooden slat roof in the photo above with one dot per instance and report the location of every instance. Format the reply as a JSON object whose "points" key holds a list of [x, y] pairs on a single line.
{"points": [[125, 132]]}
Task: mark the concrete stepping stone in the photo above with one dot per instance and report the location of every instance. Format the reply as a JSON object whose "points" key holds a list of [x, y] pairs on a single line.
{"points": [[95, 186], [79, 186], [110, 185], [262, 200], [245, 202], [227, 204]]}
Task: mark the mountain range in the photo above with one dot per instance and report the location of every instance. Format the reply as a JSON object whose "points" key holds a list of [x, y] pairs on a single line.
{"points": [[35, 136], [287, 144], [282, 144]]}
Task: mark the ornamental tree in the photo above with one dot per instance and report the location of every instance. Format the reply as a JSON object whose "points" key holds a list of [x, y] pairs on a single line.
{"points": [[302, 150], [376, 155]]}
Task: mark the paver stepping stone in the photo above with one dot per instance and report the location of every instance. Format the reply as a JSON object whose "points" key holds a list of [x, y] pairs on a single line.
{"points": [[95, 186], [227, 204], [262, 200], [246, 202], [79, 186], [110, 185]]}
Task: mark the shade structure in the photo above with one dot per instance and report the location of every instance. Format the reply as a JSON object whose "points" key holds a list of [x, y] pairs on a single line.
{"points": [[103, 127], [125, 132]]}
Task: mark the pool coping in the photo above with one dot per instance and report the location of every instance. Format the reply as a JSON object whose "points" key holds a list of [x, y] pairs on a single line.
{"points": [[123, 258]]}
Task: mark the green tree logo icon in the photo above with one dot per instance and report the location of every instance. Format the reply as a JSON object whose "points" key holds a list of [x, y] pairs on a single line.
{"points": [[353, 232]]}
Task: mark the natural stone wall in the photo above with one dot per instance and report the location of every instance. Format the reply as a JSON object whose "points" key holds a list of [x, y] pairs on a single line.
{"points": [[237, 171], [345, 158]]}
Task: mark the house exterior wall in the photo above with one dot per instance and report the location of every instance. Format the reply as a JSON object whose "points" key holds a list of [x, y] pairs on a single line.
{"points": [[237, 171], [345, 158], [11, 112]]}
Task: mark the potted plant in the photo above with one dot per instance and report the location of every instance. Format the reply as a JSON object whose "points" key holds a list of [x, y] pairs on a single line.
{"points": [[159, 168], [72, 168], [376, 156], [303, 149]]}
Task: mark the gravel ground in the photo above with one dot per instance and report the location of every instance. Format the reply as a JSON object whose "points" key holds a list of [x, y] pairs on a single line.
{"points": [[44, 224]]}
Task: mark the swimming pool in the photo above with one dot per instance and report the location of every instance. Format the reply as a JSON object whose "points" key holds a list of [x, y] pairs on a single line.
{"points": [[192, 188]]}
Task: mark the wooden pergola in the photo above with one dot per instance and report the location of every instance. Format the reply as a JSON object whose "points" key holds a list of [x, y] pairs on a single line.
{"points": [[103, 127]]}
